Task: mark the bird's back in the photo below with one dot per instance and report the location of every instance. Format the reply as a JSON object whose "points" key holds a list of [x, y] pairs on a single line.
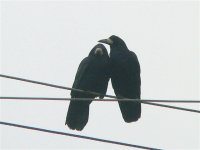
{"points": [[92, 75], [125, 78], [125, 74]]}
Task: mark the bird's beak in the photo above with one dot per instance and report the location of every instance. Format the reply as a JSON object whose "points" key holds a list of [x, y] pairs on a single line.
{"points": [[98, 51], [106, 41]]}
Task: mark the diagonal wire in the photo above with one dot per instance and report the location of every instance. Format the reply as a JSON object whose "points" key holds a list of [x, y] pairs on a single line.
{"points": [[55, 86], [77, 136], [106, 100], [94, 93]]}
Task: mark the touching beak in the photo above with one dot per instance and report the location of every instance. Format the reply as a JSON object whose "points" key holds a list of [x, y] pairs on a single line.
{"points": [[106, 41]]}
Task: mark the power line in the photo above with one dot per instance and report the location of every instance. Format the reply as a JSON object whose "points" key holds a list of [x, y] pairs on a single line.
{"points": [[149, 102], [55, 86], [77, 136], [94, 93], [106, 100]]}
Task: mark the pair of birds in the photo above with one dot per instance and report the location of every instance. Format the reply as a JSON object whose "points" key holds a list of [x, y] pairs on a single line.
{"points": [[94, 73]]}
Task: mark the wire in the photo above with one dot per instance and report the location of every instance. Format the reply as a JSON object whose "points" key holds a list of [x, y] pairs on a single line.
{"points": [[94, 93], [88, 92], [68, 99], [77, 136], [106, 100], [55, 86]]}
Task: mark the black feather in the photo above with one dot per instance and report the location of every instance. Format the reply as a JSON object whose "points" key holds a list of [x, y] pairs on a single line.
{"points": [[125, 78], [92, 75]]}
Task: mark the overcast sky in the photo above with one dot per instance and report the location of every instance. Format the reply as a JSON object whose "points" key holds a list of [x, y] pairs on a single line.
{"points": [[45, 41]]}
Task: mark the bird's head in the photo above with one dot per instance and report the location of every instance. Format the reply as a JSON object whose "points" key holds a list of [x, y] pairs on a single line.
{"points": [[99, 50], [113, 41]]}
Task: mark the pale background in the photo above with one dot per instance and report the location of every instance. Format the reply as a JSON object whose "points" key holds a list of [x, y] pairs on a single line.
{"points": [[45, 41]]}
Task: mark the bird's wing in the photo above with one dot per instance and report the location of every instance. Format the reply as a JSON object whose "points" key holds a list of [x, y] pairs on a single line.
{"points": [[134, 62], [91, 75], [126, 80], [80, 73], [131, 111]]}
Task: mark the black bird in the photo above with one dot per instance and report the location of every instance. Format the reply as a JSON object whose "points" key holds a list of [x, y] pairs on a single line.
{"points": [[92, 75], [125, 77]]}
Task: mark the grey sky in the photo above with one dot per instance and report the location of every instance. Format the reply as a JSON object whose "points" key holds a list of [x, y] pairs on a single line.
{"points": [[46, 41]]}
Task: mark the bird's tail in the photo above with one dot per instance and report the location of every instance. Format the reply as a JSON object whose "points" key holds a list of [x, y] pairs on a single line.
{"points": [[77, 115], [131, 111]]}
